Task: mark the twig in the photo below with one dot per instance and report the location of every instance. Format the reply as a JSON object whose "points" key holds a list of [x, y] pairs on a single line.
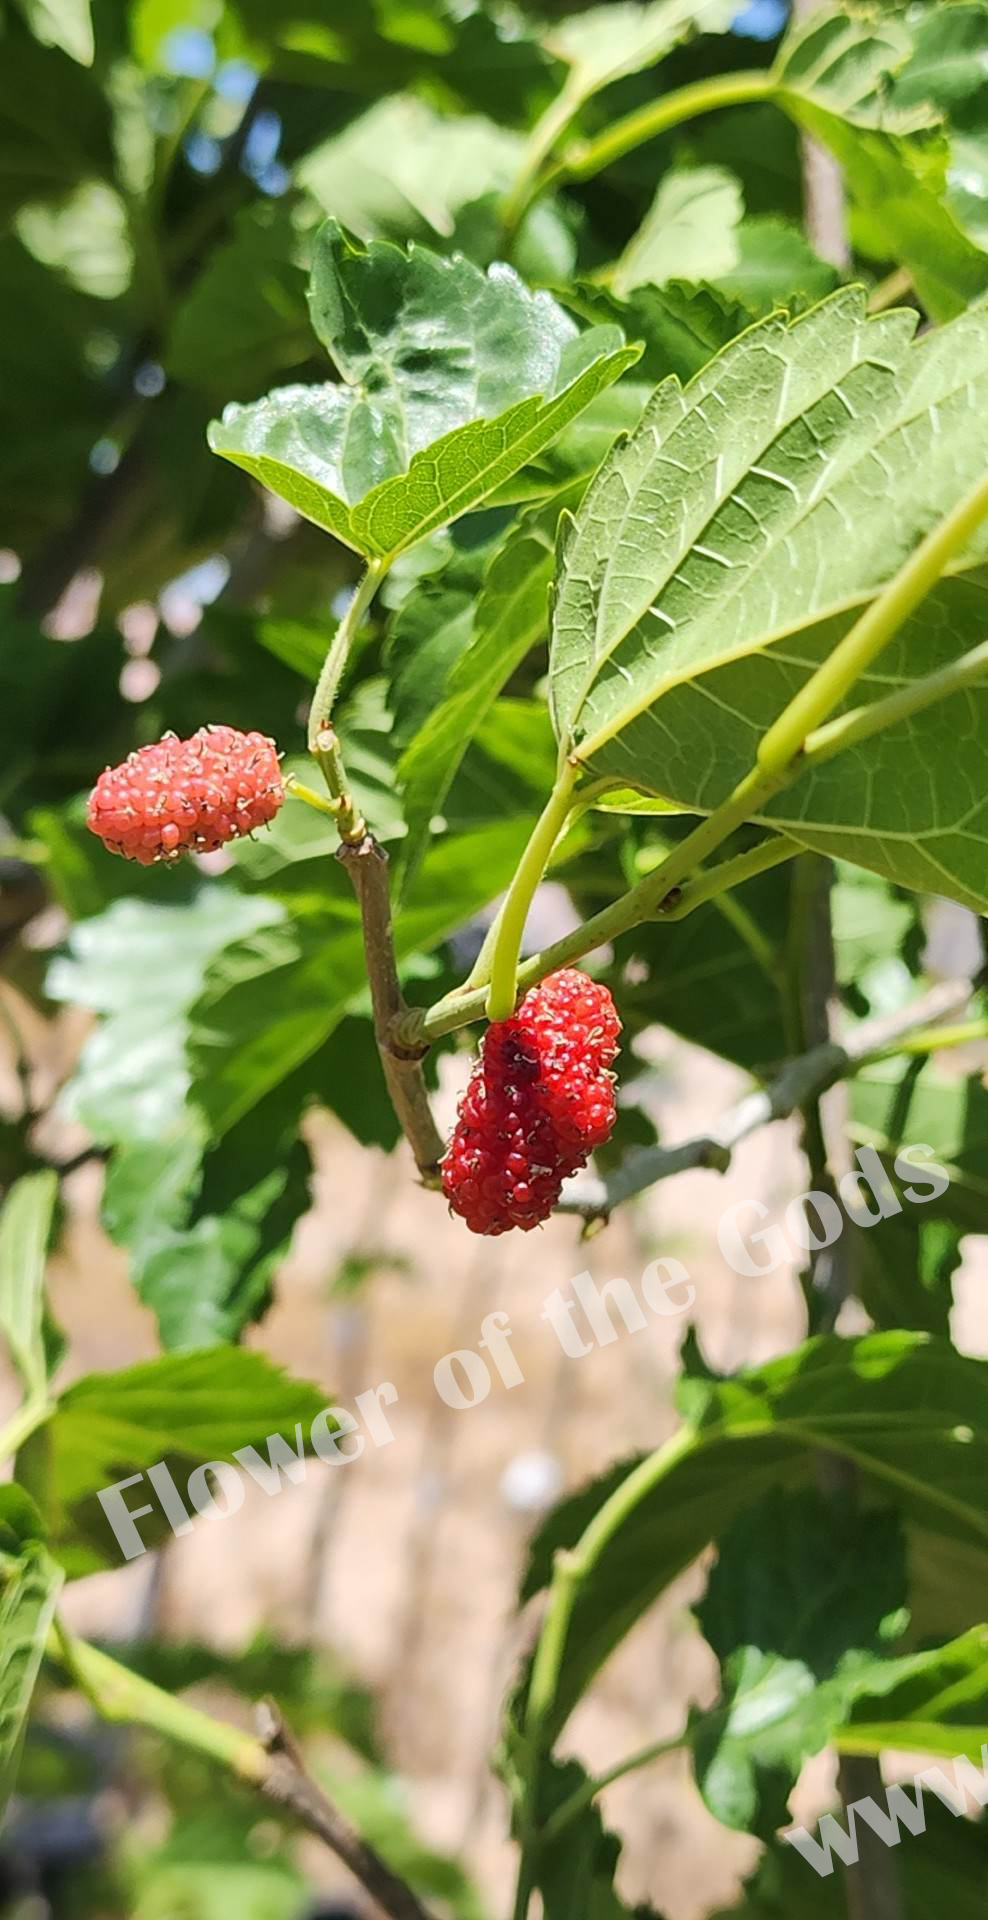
{"points": [[271, 1764], [366, 862], [290, 1785], [800, 1080]]}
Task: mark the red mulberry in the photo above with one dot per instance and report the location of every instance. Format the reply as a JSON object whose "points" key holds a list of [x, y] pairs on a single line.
{"points": [[540, 1099], [187, 795]]}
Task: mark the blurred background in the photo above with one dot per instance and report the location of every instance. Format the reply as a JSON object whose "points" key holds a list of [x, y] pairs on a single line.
{"points": [[162, 173]]}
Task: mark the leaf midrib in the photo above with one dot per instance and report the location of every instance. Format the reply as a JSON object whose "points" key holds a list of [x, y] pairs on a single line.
{"points": [[899, 423]]}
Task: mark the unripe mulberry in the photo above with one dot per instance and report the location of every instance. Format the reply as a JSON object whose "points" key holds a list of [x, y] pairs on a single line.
{"points": [[540, 1099], [187, 796]]}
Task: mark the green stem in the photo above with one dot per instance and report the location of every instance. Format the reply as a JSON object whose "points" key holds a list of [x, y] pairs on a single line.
{"points": [[118, 1694], [23, 1423], [571, 1568], [936, 1039], [547, 130], [298, 790], [851, 728], [511, 922], [339, 648], [587, 157], [771, 852], [584, 1795], [833, 680], [781, 758]]}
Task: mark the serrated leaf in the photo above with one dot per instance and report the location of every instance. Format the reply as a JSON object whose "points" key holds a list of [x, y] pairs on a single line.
{"points": [[607, 43], [687, 233], [712, 564], [25, 1229], [946, 69], [848, 59], [27, 1608], [837, 76], [680, 327], [909, 1411], [453, 379], [184, 1409], [801, 1609]]}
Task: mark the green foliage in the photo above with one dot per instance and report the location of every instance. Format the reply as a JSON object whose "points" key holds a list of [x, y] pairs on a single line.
{"points": [[626, 460], [184, 1409], [910, 1413], [801, 1607], [423, 430], [27, 1607], [25, 1227], [655, 667]]}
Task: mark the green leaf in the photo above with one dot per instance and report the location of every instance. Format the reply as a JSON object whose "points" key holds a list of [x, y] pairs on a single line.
{"points": [[67, 24], [837, 76], [930, 1702], [405, 171], [25, 1229], [20, 1518], [86, 239], [608, 43], [510, 617], [775, 266], [680, 327], [940, 1870], [185, 1409], [453, 380], [711, 567], [244, 318], [56, 123], [688, 232], [909, 1411], [946, 69], [905, 1268], [695, 230], [848, 59], [27, 1608], [709, 977], [575, 1870], [142, 966], [897, 1103], [800, 1608]]}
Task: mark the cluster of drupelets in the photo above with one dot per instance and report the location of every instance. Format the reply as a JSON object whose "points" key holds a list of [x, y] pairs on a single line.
{"points": [[541, 1096], [540, 1099], [187, 796]]}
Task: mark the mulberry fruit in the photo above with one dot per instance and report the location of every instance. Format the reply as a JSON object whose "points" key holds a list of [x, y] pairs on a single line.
{"points": [[540, 1099], [186, 796]]}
